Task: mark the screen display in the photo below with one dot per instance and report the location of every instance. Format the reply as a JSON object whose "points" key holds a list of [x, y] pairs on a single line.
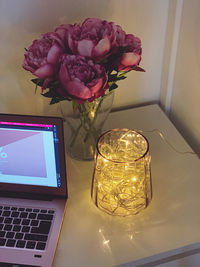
{"points": [[29, 154]]}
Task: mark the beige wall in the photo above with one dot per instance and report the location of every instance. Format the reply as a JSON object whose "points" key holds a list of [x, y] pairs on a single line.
{"points": [[21, 21], [185, 101]]}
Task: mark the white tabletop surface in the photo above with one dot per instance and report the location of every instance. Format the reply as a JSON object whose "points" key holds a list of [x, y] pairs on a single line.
{"points": [[169, 226]]}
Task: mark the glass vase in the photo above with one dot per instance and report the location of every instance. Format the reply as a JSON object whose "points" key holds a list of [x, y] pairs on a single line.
{"points": [[83, 125], [122, 179]]}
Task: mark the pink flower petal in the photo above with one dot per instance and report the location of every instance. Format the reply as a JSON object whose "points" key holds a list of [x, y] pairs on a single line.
{"points": [[54, 54], [101, 48], [130, 59], [27, 67], [45, 71], [94, 89], [71, 44], [78, 89], [91, 23], [85, 48], [64, 75]]}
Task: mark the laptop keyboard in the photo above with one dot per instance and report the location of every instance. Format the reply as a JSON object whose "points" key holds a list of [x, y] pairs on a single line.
{"points": [[25, 228]]}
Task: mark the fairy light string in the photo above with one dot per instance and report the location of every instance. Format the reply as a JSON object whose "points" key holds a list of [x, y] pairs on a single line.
{"points": [[168, 143], [122, 181]]}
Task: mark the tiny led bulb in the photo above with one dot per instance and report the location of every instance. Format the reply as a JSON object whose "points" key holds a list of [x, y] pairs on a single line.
{"points": [[134, 179], [127, 142], [106, 242]]}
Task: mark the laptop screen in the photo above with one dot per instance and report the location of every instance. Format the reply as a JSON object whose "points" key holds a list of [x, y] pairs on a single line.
{"points": [[30, 153]]}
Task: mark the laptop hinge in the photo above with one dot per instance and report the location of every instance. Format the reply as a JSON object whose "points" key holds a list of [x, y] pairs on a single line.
{"points": [[29, 196]]}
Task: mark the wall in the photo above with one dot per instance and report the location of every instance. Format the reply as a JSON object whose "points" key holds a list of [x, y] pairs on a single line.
{"points": [[22, 21], [185, 107]]}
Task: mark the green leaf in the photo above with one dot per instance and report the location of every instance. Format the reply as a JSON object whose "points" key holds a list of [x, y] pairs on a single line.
{"points": [[112, 77], [74, 105], [53, 85], [38, 82], [54, 100], [113, 86], [49, 94], [65, 98], [121, 78]]}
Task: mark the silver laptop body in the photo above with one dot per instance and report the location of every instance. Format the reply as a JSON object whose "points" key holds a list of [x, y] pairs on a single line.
{"points": [[33, 189]]}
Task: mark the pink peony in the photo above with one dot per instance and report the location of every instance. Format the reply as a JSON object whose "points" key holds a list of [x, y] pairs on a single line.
{"points": [[81, 78], [63, 31], [132, 55], [42, 57], [94, 38]]}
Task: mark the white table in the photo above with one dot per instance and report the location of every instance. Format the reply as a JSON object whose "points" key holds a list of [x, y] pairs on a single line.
{"points": [[168, 228]]}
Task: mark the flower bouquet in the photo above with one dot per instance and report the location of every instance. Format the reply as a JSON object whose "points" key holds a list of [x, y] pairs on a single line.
{"points": [[82, 63]]}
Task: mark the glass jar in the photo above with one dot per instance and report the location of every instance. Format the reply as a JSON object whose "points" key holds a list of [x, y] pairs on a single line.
{"points": [[122, 180]]}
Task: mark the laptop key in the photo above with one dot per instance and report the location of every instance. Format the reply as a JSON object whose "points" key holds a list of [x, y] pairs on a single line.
{"points": [[25, 229], [2, 241], [21, 209], [19, 236], [10, 243], [43, 211], [36, 210], [13, 208], [30, 244], [6, 213], [1, 219], [17, 228], [8, 220], [35, 237], [34, 223], [41, 246], [6, 208], [20, 244], [10, 234], [1, 226], [25, 222], [23, 215], [17, 221], [28, 209], [51, 211], [15, 214], [2, 233], [42, 216], [7, 227], [43, 228], [32, 215]]}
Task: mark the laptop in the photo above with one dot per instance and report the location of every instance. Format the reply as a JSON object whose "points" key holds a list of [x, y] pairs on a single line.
{"points": [[33, 189]]}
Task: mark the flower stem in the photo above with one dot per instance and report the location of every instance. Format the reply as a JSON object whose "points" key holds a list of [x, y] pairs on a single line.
{"points": [[75, 136], [93, 121]]}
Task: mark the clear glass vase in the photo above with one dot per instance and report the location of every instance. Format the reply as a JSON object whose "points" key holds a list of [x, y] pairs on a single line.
{"points": [[83, 125], [122, 178]]}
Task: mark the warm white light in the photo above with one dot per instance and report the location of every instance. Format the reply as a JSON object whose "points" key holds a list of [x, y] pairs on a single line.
{"points": [[122, 182], [106, 242], [131, 237]]}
